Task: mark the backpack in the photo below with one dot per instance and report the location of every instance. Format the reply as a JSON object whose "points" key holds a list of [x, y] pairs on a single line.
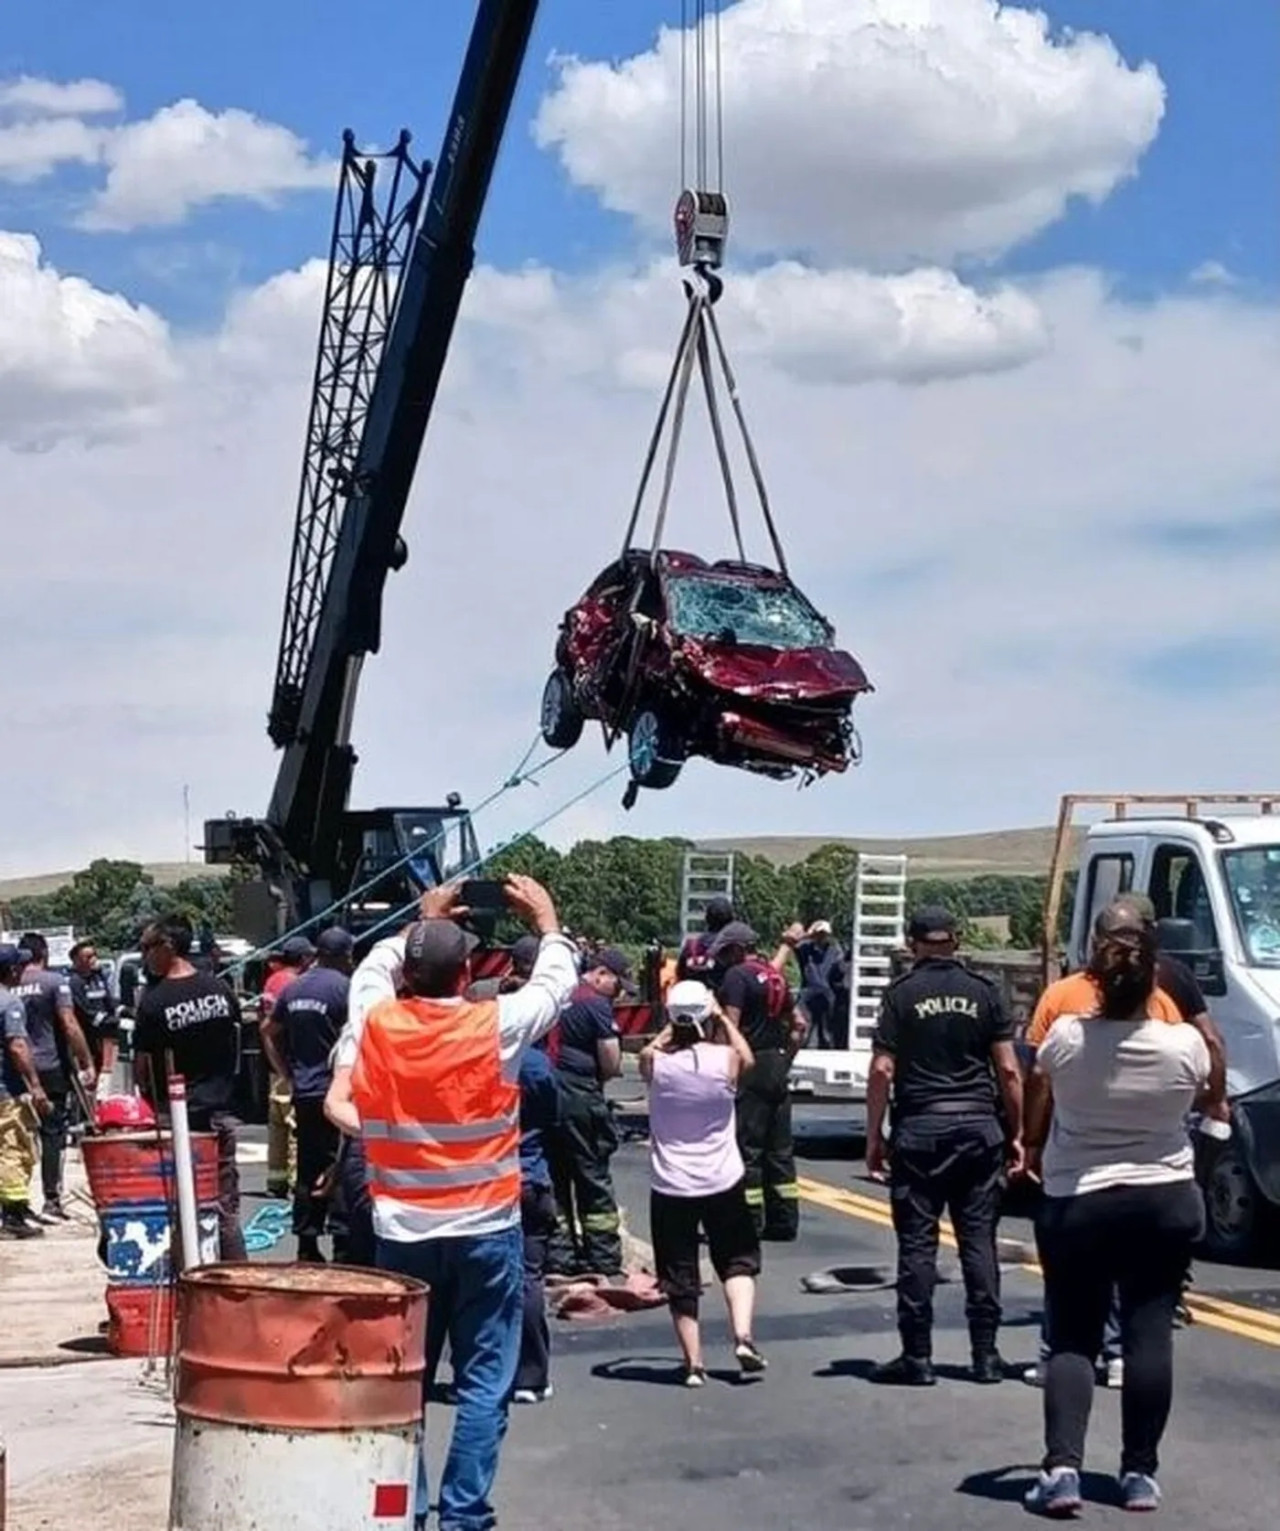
{"points": [[777, 992]]}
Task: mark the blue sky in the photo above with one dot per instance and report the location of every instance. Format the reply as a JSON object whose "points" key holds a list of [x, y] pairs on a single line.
{"points": [[1050, 476], [1200, 196]]}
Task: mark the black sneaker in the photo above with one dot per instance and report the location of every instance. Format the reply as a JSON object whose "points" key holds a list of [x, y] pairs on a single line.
{"points": [[16, 1228], [54, 1211], [749, 1357], [987, 1368], [905, 1371]]}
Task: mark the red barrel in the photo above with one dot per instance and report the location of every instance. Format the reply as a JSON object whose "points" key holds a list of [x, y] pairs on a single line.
{"points": [[299, 1399], [131, 1175]]}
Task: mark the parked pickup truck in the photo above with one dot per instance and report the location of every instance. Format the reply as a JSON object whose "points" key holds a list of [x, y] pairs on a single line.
{"points": [[1211, 866]]}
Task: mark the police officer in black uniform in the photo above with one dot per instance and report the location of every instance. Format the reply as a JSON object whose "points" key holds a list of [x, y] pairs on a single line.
{"points": [[756, 998], [944, 1050]]}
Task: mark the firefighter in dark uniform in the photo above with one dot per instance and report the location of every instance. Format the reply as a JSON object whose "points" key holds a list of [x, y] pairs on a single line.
{"points": [[756, 998], [587, 1051], [944, 1048], [695, 959]]}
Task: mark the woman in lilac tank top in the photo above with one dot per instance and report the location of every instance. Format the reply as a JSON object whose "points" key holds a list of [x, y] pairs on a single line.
{"points": [[696, 1174]]}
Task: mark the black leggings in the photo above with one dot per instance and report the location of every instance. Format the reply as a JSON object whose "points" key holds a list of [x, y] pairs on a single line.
{"points": [[1137, 1239], [732, 1242]]}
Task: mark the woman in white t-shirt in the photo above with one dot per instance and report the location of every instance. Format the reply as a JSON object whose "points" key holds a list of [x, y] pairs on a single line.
{"points": [[697, 1181], [1106, 1131]]}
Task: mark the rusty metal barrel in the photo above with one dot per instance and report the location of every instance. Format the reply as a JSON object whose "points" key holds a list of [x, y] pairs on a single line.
{"points": [[299, 1399]]}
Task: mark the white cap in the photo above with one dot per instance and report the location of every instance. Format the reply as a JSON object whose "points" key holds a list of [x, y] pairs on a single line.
{"points": [[689, 1000], [820, 928]]}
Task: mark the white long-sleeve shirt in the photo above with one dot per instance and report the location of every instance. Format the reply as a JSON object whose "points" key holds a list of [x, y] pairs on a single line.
{"points": [[524, 1017]]}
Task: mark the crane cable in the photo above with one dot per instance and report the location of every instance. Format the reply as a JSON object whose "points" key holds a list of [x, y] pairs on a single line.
{"points": [[693, 22], [523, 773], [701, 342]]}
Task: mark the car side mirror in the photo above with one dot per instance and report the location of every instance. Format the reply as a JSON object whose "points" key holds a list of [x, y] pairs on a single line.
{"points": [[1210, 969]]}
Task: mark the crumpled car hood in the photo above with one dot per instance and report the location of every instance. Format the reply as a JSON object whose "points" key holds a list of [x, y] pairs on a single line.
{"points": [[775, 675]]}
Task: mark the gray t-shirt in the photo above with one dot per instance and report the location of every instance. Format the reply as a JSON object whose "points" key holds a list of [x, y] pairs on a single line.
{"points": [[13, 1028], [1121, 1094], [44, 994]]}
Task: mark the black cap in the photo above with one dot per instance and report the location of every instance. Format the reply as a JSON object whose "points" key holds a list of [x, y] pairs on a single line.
{"points": [[435, 944], [735, 933], [335, 942], [932, 924], [296, 949], [524, 953], [12, 956], [718, 912], [615, 962]]}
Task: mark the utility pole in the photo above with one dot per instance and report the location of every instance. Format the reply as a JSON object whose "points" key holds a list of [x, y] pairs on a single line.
{"points": [[186, 823]]}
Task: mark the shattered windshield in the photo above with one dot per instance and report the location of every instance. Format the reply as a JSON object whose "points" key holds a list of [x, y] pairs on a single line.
{"points": [[771, 616], [1253, 877]]}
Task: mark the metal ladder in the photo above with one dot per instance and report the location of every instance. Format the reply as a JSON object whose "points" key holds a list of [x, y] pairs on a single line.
{"points": [[879, 921], [705, 875]]}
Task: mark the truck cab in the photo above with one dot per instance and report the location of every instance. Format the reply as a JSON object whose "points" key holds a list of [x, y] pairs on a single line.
{"points": [[1213, 872], [1220, 878]]}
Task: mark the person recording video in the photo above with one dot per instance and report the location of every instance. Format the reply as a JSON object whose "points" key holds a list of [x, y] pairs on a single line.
{"points": [[697, 1178]]}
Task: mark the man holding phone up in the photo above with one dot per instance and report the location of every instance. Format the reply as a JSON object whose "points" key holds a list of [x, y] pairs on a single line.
{"points": [[430, 1083]]}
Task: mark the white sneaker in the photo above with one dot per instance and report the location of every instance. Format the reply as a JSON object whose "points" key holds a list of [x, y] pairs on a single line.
{"points": [[1115, 1372], [1034, 1375], [524, 1395], [546, 1394], [695, 1376]]}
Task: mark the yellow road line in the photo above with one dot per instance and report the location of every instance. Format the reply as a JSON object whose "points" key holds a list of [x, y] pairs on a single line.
{"points": [[1247, 1323]]}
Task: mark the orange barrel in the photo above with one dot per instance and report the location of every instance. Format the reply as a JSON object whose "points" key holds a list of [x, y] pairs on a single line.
{"points": [[131, 1175], [299, 1399]]}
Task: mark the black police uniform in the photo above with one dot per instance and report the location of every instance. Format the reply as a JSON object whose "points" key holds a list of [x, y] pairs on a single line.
{"points": [[588, 1233], [939, 1023], [765, 1137]]}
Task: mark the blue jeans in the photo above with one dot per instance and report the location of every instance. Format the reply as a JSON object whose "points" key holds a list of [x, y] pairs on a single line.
{"points": [[476, 1302], [1110, 1335]]}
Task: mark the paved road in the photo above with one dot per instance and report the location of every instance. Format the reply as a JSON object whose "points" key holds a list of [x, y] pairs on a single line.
{"points": [[815, 1445]]}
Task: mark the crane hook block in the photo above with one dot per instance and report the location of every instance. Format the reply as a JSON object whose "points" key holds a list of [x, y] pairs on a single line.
{"points": [[702, 228]]}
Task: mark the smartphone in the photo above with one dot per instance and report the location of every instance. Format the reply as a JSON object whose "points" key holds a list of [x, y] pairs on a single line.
{"points": [[483, 896]]}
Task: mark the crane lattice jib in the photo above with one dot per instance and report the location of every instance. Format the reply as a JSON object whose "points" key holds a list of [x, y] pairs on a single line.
{"points": [[378, 208]]}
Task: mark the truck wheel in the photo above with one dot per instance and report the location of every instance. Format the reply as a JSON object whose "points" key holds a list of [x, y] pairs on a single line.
{"points": [[562, 718], [1233, 1205], [654, 751]]}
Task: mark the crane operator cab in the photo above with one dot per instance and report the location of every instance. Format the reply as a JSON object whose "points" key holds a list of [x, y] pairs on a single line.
{"points": [[394, 854]]}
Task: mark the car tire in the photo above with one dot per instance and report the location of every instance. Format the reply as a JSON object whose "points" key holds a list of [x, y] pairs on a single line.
{"points": [[562, 718], [654, 751], [1234, 1208]]}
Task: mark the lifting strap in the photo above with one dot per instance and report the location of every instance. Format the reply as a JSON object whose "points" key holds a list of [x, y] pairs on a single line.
{"points": [[701, 343]]}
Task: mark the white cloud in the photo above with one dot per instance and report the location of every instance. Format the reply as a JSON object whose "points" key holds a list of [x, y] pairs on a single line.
{"points": [[839, 326], [30, 95], [75, 362], [159, 169], [977, 543], [31, 150], [877, 131], [1213, 273]]}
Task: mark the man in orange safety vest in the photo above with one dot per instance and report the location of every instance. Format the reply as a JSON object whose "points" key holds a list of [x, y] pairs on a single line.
{"points": [[430, 1081]]}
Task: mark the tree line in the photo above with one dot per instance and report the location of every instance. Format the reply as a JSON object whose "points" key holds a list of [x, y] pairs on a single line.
{"points": [[623, 890]]}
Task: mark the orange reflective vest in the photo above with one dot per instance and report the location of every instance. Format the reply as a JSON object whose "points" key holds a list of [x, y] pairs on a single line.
{"points": [[440, 1124]]}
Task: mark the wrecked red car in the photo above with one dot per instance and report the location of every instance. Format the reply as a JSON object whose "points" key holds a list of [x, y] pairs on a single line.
{"points": [[724, 660]]}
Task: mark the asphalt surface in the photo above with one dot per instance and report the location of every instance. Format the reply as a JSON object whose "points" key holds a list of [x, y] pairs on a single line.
{"points": [[813, 1444]]}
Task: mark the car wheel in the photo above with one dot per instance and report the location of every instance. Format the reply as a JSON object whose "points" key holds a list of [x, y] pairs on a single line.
{"points": [[1233, 1205], [562, 718], [654, 750]]}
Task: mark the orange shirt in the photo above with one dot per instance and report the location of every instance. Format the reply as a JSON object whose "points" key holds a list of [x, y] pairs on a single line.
{"points": [[1078, 994]]}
